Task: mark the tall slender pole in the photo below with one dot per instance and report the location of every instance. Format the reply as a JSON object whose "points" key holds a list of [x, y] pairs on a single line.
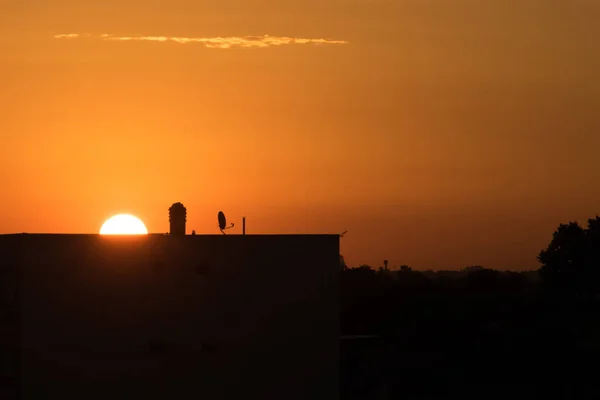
{"points": [[243, 225]]}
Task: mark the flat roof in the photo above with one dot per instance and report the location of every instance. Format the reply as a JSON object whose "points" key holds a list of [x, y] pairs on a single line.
{"points": [[166, 234]]}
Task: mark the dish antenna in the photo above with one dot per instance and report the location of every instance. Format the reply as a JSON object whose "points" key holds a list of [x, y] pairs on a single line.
{"points": [[343, 233], [223, 222]]}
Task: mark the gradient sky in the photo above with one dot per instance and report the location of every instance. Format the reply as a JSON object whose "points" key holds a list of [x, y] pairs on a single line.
{"points": [[442, 134]]}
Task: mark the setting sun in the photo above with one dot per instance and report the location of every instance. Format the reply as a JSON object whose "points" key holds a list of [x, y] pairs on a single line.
{"points": [[123, 224]]}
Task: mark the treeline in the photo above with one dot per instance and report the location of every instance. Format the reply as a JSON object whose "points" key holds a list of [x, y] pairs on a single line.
{"points": [[384, 302], [478, 332]]}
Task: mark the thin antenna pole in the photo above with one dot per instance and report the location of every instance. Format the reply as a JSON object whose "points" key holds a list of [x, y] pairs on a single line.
{"points": [[243, 225]]}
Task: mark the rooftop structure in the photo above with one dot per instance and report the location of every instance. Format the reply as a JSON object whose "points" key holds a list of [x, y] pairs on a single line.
{"points": [[177, 219]]}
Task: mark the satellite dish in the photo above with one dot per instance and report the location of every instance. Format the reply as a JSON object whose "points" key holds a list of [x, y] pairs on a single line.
{"points": [[223, 222], [343, 233]]}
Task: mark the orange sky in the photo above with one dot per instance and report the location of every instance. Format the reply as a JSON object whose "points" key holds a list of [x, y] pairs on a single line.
{"points": [[442, 134]]}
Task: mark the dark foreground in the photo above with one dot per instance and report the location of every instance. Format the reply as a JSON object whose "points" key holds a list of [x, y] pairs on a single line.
{"points": [[201, 310], [489, 335], [168, 317]]}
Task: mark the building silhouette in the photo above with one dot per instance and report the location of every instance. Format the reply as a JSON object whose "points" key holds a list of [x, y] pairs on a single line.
{"points": [[177, 219], [216, 282]]}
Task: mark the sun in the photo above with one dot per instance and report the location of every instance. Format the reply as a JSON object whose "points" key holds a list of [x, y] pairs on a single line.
{"points": [[123, 224]]}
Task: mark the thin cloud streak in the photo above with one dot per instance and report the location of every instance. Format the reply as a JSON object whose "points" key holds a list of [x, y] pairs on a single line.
{"points": [[67, 36], [212, 42]]}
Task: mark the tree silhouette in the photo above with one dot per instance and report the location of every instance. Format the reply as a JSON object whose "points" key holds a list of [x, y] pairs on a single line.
{"points": [[571, 262], [405, 268], [484, 280]]}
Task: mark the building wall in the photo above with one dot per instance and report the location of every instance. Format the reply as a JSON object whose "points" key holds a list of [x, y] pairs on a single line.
{"points": [[9, 323], [179, 317]]}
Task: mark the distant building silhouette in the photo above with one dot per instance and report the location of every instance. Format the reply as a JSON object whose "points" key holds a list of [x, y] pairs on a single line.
{"points": [[177, 219]]}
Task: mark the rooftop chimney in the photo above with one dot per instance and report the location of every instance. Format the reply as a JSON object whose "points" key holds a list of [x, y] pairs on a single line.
{"points": [[177, 219]]}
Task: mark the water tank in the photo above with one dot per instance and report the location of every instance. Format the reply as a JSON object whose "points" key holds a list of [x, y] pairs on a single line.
{"points": [[177, 218]]}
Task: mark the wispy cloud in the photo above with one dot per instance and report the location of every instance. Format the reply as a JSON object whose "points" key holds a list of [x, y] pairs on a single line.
{"points": [[67, 36], [211, 42]]}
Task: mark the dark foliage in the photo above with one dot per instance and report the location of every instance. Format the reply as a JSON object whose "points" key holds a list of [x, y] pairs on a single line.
{"points": [[477, 332], [571, 262]]}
